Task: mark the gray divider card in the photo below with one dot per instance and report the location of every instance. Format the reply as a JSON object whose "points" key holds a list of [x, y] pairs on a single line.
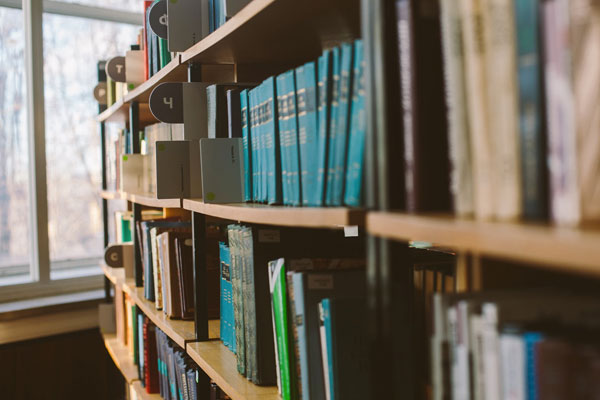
{"points": [[132, 173], [158, 18], [195, 116], [222, 170], [100, 93], [115, 69], [188, 23], [172, 169], [166, 102]]}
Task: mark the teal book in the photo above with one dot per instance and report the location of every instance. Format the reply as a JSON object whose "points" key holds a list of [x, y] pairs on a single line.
{"points": [[534, 182], [340, 140], [292, 145], [262, 114], [353, 194], [326, 347], [273, 170], [531, 340], [247, 144], [254, 138], [283, 124], [309, 289], [324, 94], [308, 127], [336, 63]]}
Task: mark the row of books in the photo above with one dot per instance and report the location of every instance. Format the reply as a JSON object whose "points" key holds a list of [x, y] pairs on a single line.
{"points": [[304, 132], [515, 345], [220, 11], [517, 123], [256, 323]]}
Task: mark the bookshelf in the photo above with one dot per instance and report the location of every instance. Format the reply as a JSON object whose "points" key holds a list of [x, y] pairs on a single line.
{"points": [[141, 199], [566, 249], [141, 393], [120, 355], [221, 366]]}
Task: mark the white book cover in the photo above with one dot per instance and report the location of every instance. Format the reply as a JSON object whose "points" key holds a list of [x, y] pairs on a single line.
{"points": [[491, 363], [156, 270], [512, 365], [502, 102], [461, 179], [478, 365], [478, 113]]}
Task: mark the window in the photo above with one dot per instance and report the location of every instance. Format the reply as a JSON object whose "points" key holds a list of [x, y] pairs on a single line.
{"points": [[64, 253]]}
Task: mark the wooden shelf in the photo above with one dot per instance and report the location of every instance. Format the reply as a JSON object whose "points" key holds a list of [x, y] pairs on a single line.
{"points": [[282, 33], [308, 217], [140, 391], [115, 275], [120, 355], [119, 112], [221, 366], [174, 71], [143, 199], [574, 250]]}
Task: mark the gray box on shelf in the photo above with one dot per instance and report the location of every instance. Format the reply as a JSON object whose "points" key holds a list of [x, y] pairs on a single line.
{"points": [[133, 173], [188, 23], [173, 169], [222, 167]]}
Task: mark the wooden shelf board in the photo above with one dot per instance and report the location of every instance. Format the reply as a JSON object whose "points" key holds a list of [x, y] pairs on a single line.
{"points": [[120, 355], [174, 71], [302, 30], [151, 201], [115, 275], [309, 217], [112, 195], [141, 392], [118, 112], [568, 249], [221, 366]]}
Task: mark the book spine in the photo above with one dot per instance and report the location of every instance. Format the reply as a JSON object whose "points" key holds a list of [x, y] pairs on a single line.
{"points": [[531, 340], [283, 136], [247, 267], [264, 165], [271, 269], [238, 309], [333, 123], [324, 117], [222, 297], [478, 113], [308, 129], [211, 18], [146, 36], [531, 117], [211, 110], [491, 357], [273, 173], [295, 368], [252, 107], [343, 123], [247, 145], [294, 168], [500, 56], [327, 348], [461, 180], [512, 364], [358, 130], [298, 283], [560, 113]]}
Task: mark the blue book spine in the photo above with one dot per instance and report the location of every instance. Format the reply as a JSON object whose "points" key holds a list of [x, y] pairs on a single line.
{"points": [[254, 140], [358, 130], [342, 125], [294, 156], [247, 144], [273, 173], [211, 15], [531, 118], [333, 122], [262, 176], [298, 284], [308, 144], [230, 326], [327, 325], [283, 136], [323, 118], [531, 339], [222, 309]]}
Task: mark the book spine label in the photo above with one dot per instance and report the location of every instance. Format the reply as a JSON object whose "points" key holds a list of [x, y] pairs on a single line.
{"points": [[475, 73], [461, 180], [333, 123], [358, 128], [247, 145]]}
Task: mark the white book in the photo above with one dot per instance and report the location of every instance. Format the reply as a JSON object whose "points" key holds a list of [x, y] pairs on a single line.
{"points": [[491, 363], [502, 102], [478, 113], [461, 180], [439, 337], [156, 270], [324, 358], [461, 381], [512, 366], [478, 366]]}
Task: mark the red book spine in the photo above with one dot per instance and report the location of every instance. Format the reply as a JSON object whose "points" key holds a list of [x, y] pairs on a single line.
{"points": [[147, 4]]}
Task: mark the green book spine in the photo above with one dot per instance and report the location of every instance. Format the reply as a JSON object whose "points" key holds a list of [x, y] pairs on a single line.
{"points": [[165, 56], [280, 307]]}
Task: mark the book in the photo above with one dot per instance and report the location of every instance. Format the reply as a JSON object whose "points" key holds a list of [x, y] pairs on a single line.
{"points": [[271, 142], [324, 117], [247, 139], [238, 304], [461, 166], [336, 69], [425, 138], [283, 125], [308, 129], [294, 168], [532, 120], [254, 141], [353, 187]]}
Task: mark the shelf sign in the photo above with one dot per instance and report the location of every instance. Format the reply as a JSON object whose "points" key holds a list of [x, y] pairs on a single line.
{"points": [[100, 93], [158, 19], [115, 69], [166, 102]]}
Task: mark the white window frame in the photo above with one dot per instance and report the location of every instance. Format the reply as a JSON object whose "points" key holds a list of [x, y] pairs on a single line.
{"points": [[39, 263]]}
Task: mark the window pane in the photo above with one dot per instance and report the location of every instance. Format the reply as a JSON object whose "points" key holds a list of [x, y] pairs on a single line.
{"points": [[128, 5], [72, 47], [14, 167]]}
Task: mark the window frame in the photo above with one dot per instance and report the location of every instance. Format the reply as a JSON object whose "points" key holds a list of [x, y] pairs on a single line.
{"points": [[41, 283]]}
